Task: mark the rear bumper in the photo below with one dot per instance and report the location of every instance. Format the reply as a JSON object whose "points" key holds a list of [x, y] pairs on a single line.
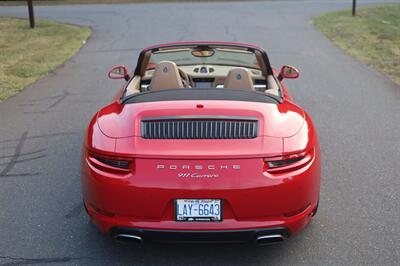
{"points": [[252, 201], [223, 236], [231, 229]]}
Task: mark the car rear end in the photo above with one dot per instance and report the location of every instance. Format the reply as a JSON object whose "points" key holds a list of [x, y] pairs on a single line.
{"points": [[203, 171]]}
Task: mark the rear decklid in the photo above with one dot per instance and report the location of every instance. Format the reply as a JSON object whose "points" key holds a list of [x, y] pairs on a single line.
{"points": [[129, 125]]}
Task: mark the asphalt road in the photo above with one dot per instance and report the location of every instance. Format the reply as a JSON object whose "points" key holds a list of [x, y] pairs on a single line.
{"points": [[356, 111]]}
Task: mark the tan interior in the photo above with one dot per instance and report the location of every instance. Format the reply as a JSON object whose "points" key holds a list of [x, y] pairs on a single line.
{"points": [[166, 76], [133, 86], [146, 59], [272, 85], [239, 78], [260, 62]]}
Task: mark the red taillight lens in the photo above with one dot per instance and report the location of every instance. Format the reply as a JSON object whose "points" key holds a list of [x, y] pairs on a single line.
{"points": [[288, 162], [117, 163], [109, 163]]}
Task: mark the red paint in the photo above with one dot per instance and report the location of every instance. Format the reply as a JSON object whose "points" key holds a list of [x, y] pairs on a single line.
{"points": [[142, 196], [119, 72], [288, 72]]}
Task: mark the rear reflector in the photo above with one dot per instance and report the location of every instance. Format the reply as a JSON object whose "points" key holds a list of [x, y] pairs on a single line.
{"points": [[103, 212], [295, 212]]}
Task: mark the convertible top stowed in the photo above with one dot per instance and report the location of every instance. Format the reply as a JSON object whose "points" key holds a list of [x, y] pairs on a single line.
{"points": [[203, 144], [201, 94]]}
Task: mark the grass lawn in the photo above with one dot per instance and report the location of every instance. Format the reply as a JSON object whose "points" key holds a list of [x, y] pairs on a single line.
{"points": [[373, 36], [27, 55], [72, 2]]}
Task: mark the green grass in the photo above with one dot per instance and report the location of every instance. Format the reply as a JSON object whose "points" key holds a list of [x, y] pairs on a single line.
{"points": [[373, 36], [26, 55], [74, 2]]}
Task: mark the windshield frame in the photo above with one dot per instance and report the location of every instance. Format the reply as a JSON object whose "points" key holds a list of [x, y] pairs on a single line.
{"points": [[144, 55], [220, 57]]}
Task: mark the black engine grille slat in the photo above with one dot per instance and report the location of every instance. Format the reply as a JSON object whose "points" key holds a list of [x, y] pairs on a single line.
{"points": [[199, 128]]}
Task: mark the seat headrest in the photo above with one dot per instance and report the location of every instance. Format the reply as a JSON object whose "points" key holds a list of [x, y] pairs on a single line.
{"points": [[239, 78], [166, 76]]}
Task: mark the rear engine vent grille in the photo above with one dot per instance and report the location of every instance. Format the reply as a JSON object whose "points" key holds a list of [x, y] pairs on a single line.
{"points": [[200, 128]]}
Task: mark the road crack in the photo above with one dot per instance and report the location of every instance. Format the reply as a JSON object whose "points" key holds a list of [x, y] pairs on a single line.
{"points": [[14, 158]]}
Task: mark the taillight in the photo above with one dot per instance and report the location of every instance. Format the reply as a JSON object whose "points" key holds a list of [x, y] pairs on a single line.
{"points": [[124, 164], [109, 163], [288, 162]]}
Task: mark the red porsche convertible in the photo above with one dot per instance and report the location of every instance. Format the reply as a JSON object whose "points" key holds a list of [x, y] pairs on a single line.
{"points": [[203, 143]]}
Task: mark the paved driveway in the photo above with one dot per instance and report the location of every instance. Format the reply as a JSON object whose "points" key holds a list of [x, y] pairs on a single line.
{"points": [[356, 110]]}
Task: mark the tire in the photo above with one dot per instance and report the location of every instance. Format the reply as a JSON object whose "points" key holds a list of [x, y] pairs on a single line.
{"points": [[315, 209]]}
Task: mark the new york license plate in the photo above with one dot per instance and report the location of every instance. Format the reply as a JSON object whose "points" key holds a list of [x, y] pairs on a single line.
{"points": [[198, 210]]}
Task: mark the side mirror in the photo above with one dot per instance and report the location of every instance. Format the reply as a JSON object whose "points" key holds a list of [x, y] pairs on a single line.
{"points": [[119, 72], [288, 72]]}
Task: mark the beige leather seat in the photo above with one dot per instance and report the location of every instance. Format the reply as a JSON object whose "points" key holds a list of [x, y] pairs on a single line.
{"points": [[240, 79], [166, 76], [272, 85]]}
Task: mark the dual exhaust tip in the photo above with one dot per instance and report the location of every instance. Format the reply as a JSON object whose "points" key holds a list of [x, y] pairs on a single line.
{"points": [[260, 240]]}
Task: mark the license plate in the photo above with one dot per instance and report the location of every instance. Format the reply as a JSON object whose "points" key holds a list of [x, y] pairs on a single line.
{"points": [[198, 210]]}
